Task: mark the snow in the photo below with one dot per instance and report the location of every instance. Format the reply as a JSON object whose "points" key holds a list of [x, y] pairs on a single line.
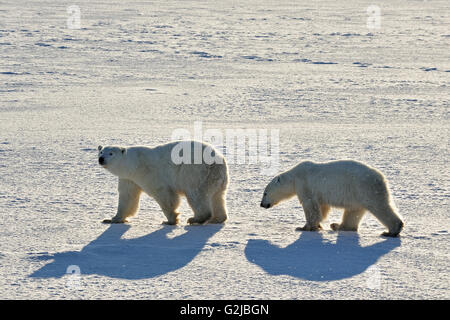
{"points": [[137, 71]]}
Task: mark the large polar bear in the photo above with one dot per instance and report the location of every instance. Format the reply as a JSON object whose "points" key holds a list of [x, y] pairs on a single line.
{"points": [[346, 184], [165, 173]]}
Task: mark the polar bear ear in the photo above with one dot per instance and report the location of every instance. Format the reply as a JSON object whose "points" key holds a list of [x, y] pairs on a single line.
{"points": [[99, 148]]}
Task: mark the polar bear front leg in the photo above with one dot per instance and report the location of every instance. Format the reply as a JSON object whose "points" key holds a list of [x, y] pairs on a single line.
{"points": [[312, 214], [129, 194]]}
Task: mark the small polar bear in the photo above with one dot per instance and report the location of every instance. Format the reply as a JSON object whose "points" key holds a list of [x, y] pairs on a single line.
{"points": [[347, 184], [165, 173]]}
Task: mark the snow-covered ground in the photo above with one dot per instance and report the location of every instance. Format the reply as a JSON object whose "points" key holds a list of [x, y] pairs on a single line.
{"points": [[134, 72]]}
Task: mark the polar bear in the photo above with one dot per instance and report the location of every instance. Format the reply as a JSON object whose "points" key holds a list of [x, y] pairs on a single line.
{"points": [[161, 174], [347, 184]]}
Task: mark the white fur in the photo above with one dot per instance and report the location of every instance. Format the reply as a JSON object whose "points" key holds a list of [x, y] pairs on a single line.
{"points": [[347, 184], [152, 171]]}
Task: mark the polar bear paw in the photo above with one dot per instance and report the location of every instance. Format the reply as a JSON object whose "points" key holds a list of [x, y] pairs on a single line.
{"points": [[171, 223], [308, 227], [342, 227], [215, 220], [390, 234], [196, 221], [114, 220], [335, 226]]}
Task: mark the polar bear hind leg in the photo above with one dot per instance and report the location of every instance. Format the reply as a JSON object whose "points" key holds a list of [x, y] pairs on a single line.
{"points": [[198, 201], [129, 194], [388, 217], [379, 204], [169, 201], [218, 207], [218, 182], [350, 220]]}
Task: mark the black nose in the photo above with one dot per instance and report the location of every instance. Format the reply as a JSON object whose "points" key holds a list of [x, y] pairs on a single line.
{"points": [[101, 160], [267, 206]]}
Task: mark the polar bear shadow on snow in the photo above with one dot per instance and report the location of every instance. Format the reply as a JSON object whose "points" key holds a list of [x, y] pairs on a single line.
{"points": [[313, 258], [148, 256]]}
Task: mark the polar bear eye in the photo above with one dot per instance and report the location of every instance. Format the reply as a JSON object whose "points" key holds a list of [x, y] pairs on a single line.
{"points": [[110, 153]]}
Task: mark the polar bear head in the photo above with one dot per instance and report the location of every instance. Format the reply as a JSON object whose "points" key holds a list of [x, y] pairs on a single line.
{"points": [[280, 188], [112, 158]]}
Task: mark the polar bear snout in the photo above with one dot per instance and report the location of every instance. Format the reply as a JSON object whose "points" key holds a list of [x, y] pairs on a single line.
{"points": [[264, 202], [101, 160], [265, 205]]}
